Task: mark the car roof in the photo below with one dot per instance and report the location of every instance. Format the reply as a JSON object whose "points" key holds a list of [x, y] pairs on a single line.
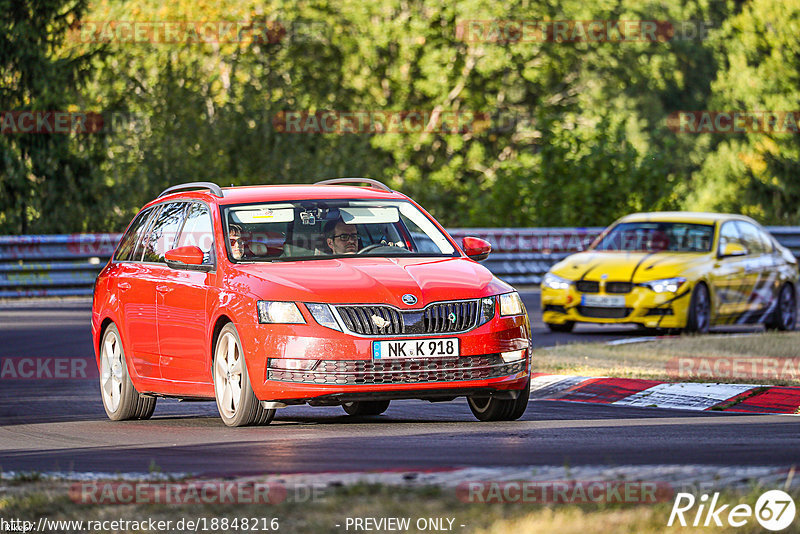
{"points": [[276, 193], [683, 216]]}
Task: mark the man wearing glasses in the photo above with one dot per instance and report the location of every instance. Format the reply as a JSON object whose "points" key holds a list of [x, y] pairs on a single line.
{"points": [[342, 238]]}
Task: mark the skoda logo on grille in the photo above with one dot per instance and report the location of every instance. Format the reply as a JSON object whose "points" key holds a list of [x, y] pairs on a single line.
{"points": [[452, 317], [409, 299]]}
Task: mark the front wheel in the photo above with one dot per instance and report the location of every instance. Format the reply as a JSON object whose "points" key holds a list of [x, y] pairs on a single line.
{"points": [[699, 319], [120, 399], [494, 409], [785, 315], [365, 407], [236, 402]]}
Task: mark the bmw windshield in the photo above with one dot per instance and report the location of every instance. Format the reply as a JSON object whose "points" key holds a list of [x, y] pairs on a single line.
{"points": [[657, 237], [319, 229]]}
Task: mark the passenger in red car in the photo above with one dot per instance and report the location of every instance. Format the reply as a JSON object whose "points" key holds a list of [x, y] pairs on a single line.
{"points": [[342, 238]]}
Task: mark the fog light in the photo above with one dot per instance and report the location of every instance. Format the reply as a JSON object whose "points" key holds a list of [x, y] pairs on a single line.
{"points": [[513, 355], [292, 364]]}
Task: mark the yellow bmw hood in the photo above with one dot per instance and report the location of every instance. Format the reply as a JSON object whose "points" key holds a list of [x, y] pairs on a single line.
{"points": [[628, 266]]}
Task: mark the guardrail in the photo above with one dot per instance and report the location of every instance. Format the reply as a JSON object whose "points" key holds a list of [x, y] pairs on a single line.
{"points": [[67, 265]]}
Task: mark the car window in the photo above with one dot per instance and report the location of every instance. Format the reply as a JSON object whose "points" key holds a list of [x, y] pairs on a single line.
{"points": [[309, 229], [729, 233], [198, 231], [163, 232], [750, 238], [128, 242], [657, 236]]}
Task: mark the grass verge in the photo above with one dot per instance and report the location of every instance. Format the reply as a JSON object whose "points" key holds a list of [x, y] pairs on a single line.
{"points": [[769, 358]]}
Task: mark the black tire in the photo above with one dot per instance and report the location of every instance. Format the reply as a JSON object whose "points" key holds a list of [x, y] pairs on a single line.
{"points": [[494, 409], [699, 320], [121, 401], [565, 327], [236, 402], [784, 316], [359, 408]]}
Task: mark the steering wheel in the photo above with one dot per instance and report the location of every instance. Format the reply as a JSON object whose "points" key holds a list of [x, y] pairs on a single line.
{"points": [[371, 247]]}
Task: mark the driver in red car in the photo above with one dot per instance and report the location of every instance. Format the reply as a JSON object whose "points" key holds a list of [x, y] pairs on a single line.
{"points": [[342, 238]]}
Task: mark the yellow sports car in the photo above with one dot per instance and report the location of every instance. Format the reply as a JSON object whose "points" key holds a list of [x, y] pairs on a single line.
{"points": [[675, 270]]}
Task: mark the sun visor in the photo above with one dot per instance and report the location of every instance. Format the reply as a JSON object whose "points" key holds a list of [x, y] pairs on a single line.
{"points": [[369, 215], [264, 214]]}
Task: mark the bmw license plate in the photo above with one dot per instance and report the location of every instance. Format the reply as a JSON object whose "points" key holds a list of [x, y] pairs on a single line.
{"points": [[415, 348], [604, 301]]}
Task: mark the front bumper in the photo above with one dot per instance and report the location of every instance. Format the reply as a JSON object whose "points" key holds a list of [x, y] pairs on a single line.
{"points": [[642, 306], [346, 368]]}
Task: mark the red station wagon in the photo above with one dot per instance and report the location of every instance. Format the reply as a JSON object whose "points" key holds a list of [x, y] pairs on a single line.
{"points": [[326, 294]]}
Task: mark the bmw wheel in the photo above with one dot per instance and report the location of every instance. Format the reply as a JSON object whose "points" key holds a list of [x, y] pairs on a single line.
{"points": [[699, 319], [785, 315], [120, 399], [366, 407], [236, 402]]}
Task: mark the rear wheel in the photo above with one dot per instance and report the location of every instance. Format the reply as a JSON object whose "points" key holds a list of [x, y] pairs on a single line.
{"points": [[236, 402], [564, 327], [494, 409], [699, 319], [120, 399], [365, 407], [784, 317]]}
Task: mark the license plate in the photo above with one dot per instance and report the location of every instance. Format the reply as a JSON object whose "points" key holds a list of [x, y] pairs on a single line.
{"points": [[415, 348], [604, 301]]}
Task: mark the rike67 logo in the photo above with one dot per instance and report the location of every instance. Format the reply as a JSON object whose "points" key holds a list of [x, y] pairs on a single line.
{"points": [[774, 510]]}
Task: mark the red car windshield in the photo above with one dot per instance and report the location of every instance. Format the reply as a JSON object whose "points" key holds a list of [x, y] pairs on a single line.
{"points": [[318, 229]]}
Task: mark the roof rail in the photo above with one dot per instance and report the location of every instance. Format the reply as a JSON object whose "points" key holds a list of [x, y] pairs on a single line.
{"points": [[214, 188], [340, 181]]}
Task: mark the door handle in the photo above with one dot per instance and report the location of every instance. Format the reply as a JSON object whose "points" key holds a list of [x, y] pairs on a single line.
{"points": [[124, 286], [163, 289]]}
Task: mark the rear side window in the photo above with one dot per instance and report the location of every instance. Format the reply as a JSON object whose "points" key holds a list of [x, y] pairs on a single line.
{"points": [[198, 231], [729, 234], [766, 240], [128, 242], [163, 232]]}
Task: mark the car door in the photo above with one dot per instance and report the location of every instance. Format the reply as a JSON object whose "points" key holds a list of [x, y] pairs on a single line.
{"points": [[729, 276], [758, 270], [181, 306], [135, 290]]}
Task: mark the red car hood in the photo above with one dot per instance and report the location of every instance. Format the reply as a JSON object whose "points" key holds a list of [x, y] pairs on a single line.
{"points": [[368, 280]]}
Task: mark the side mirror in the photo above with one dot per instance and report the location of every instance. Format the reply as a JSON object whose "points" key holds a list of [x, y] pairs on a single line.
{"points": [[189, 257], [476, 248], [733, 249]]}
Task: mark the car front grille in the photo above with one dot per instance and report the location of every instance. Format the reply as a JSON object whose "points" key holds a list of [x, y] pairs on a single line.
{"points": [[401, 371], [587, 286], [600, 312], [439, 318], [618, 287]]}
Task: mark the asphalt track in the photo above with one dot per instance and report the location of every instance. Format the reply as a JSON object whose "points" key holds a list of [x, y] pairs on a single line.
{"points": [[60, 425]]}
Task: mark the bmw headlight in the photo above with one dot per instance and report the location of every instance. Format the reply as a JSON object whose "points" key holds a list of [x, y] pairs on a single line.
{"points": [[279, 312], [323, 315], [667, 285], [511, 304], [552, 281]]}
